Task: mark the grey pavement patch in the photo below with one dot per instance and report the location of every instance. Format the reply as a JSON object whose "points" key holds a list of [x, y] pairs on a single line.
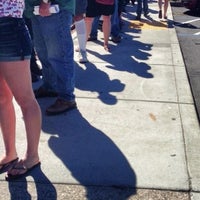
{"points": [[177, 56], [195, 196], [196, 90], [27, 190], [183, 88], [191, 133], [101, 148]]}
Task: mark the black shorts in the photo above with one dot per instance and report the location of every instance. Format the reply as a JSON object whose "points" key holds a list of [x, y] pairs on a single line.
{"points": [[91, 10], [105, 9], [96, 9]]}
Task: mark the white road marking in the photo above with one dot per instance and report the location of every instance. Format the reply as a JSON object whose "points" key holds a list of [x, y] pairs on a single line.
{"points": [[195, 35], [198, 33], [190, 21]]}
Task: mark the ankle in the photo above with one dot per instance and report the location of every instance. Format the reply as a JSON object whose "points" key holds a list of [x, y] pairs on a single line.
{"points": [[8, 158]]}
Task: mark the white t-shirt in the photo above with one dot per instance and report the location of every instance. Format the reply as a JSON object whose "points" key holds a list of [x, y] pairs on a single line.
{"points": [[11, 8]]}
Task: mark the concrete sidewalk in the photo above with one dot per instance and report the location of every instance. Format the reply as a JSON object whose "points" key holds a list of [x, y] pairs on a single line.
{"points": [[135, 126]]}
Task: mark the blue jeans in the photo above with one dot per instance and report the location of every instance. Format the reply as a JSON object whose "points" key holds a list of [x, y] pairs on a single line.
{"points": [[115, 22], [54, 46], [139, 7], [95, 24]]}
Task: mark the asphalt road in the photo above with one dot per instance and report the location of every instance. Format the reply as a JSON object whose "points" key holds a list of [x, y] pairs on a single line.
{"points": [[187, 25]]}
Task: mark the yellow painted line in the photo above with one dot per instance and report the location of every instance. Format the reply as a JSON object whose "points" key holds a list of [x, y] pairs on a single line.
{"points": [[145, 24]]}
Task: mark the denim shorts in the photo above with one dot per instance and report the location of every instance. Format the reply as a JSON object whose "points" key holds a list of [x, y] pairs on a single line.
{"points": [[15, 41]]}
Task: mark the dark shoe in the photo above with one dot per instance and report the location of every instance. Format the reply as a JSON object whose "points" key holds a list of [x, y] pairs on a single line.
{"points": [[92, 38], [60, 106], [160, 14], [138, 18], [116, 39], [41, 93], [165, 17], [5, 167]]}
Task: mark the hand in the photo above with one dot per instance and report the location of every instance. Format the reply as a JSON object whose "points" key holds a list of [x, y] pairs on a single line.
{"points": [[44, 9]]}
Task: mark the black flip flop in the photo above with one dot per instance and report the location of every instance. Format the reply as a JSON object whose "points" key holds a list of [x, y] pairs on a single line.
{"points": [[5, 167], [10, 177]]}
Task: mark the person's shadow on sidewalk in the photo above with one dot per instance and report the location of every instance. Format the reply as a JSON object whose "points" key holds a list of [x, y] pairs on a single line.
{"points": [[93, 79], [90, 155], [42, 186], [129, 56]]}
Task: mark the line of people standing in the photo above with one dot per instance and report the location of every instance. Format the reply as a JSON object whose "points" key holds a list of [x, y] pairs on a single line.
{"points": [[49, 38], [142, 7], [55, 50]]}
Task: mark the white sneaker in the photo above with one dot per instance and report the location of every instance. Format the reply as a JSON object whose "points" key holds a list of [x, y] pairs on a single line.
{"points": [[83, 57]]}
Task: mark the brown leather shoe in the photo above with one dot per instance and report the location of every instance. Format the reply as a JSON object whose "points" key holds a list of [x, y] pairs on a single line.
{"points": [[41, 93], [60, 106]]}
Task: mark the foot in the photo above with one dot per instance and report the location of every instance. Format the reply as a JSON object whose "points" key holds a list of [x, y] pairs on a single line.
{"points": [[107, 48], [83, 57], [6, 165], [21, 169], [60, 106]]}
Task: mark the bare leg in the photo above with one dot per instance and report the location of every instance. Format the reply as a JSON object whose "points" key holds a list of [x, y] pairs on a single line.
{"points": [[7, 121], [166, 4], [160, 4], [106, 30], [88, 23], [160, 8], [18, 78]]}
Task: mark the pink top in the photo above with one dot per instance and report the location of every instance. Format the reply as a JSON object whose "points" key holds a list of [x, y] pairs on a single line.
{"points": [[105, 2], [11, 8]]}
